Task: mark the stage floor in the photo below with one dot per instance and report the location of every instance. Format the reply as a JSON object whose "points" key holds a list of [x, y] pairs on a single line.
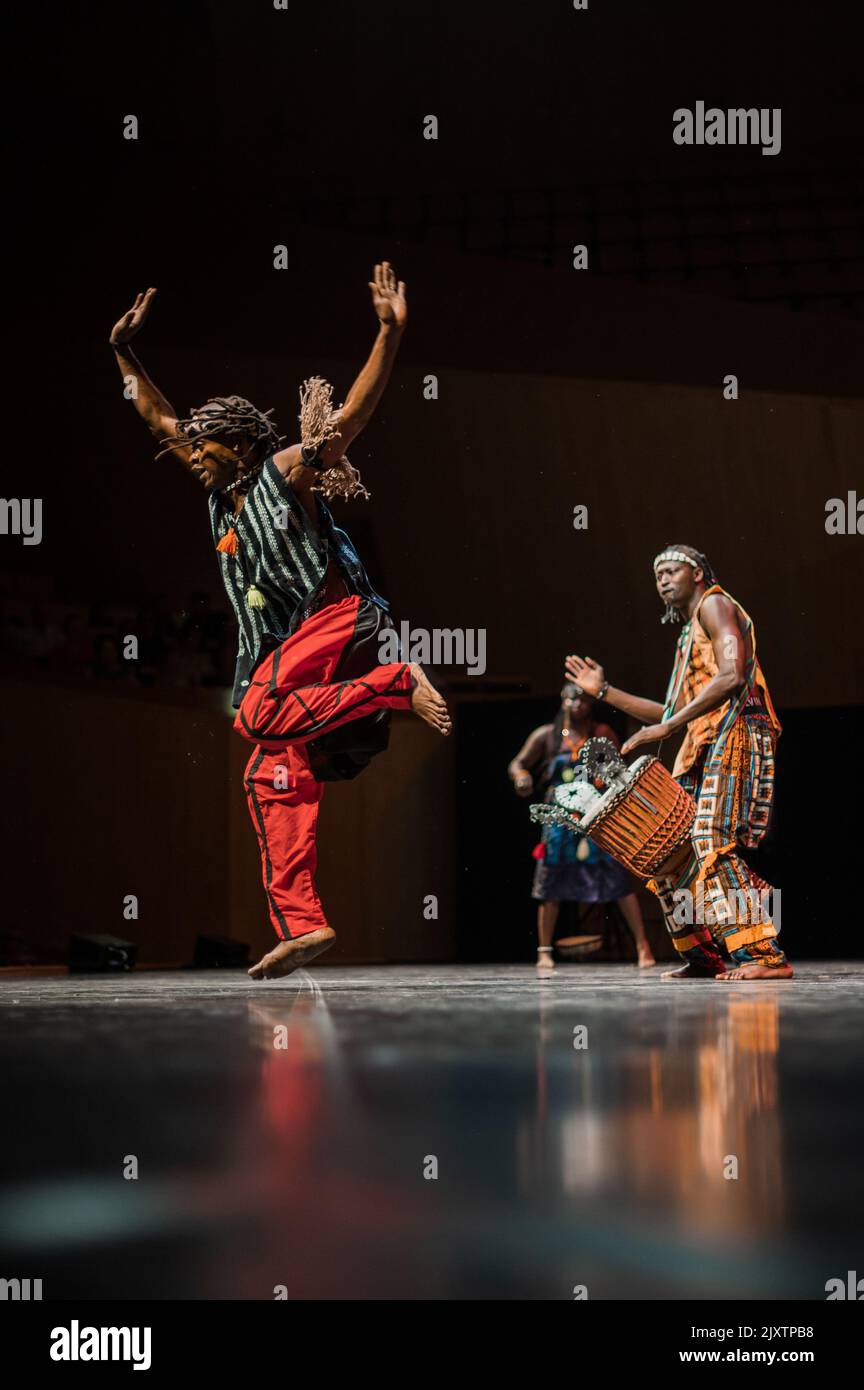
{"points": [[583, 1130]]}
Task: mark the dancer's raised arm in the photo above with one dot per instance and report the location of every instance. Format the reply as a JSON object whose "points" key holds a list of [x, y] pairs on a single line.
{"points": [[391, 307], [591, 678], [155, 409]]}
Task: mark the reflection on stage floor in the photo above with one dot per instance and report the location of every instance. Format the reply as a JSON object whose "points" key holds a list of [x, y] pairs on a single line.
{"points": [[433, 1132]]}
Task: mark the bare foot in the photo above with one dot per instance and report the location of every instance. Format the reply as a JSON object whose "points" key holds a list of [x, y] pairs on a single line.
{"points": [[545, 963], [693, 972], [644, 959], [428, 703], [759, 972], [290, 955]]}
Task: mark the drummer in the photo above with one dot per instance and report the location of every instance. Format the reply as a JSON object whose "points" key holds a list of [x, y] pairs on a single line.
{"points": [[718, 696], [570, 868]]}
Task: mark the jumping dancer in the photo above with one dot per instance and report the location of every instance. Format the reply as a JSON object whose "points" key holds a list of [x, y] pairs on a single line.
{"points": [[309, 691]]}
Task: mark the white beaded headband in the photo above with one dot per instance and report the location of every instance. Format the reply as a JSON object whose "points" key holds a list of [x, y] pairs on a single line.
{"points": [[675, 555]]}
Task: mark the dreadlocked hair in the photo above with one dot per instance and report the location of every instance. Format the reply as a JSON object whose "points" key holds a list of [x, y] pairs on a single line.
{"points": [[319, 423], [227, 417], [671, 615]]}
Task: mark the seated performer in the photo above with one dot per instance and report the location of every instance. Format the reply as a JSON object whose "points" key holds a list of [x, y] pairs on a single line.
{"points": [[718, 694], [572, 869], [312, 697]]}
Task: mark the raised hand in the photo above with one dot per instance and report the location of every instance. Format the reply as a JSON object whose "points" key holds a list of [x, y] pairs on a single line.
{"points": [[586, 673], [388, 296], [134, 318]]}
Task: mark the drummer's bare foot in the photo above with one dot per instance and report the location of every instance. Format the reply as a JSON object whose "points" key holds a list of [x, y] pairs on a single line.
{"points": [[290, 955], [759, 972], [644, 958], [545, 963], [694, 972], [428, 702]]}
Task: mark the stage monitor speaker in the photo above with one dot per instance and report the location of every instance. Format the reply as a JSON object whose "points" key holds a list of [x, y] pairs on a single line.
{"points": [[99, 952], [220, 952]]}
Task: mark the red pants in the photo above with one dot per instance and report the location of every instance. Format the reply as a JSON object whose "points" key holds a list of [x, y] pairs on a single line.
{"points": [[292, 699]]}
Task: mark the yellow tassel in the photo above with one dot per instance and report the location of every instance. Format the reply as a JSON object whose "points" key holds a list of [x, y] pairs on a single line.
{"points": [[228, 543], [255, 598]]}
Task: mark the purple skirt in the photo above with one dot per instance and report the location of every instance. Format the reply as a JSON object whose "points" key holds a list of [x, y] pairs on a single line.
{"points": [[602, 881]]}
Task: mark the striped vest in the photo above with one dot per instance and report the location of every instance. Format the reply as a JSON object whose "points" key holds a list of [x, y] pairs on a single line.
{"points": [[286, 557]]}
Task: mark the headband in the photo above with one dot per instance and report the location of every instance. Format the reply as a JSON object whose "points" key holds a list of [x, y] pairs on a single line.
{"points": [[676, 555]]}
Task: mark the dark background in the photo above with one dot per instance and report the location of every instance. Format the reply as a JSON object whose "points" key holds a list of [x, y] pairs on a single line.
{"points": [[261, 127]]}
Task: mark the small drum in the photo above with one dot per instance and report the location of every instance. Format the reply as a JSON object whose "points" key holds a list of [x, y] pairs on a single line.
{"points": [[578, 947], [643, 820]]}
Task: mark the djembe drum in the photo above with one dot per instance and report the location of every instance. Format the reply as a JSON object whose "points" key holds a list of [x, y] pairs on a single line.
{"points": [[643, 818]]}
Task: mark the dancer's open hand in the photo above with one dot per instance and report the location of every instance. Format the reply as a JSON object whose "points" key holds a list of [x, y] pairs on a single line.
{"points": [[652, 733], [388, 296], [523, 783], [589, 677], [134, 318]]}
